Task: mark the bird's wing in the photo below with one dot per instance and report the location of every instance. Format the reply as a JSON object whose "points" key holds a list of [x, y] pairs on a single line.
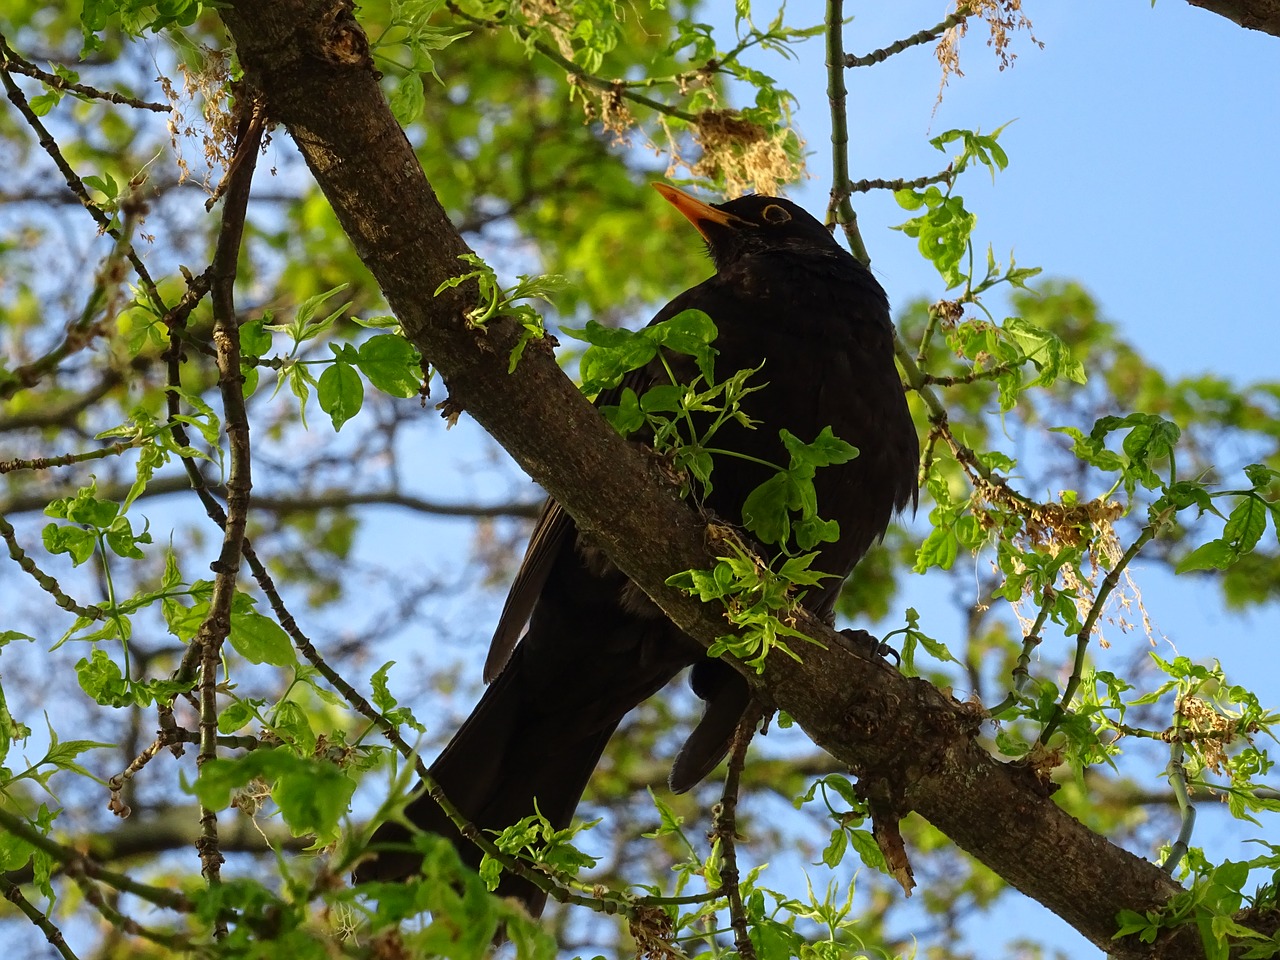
{"points": [[554, 526]]}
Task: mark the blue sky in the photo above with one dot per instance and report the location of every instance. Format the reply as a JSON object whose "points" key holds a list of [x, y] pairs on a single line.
{"points": [[1141, 162]]}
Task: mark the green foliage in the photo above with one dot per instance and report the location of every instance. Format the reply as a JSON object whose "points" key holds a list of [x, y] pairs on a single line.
{"points": [[494, 301], [1216, 893], [534, 839], [767, 511], [942, 231], [312, 794], [464, 916], [758, 601], [848, 816]]}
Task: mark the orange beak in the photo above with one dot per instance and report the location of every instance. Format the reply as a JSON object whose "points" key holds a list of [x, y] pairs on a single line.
{"points": [[701, 215]]}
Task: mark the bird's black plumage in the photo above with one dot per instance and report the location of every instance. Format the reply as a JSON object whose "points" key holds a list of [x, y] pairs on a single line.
{"points": [[785, 294]]}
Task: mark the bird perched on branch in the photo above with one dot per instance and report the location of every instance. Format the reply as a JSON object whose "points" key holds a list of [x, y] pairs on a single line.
{"points": [[578, 646]]}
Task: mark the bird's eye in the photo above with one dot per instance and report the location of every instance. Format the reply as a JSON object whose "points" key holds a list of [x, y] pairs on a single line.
{"points": [[775, 214]]}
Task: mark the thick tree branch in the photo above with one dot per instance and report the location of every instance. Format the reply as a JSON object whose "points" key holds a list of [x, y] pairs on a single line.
{"points": [[914, 745], [1261, 15]]}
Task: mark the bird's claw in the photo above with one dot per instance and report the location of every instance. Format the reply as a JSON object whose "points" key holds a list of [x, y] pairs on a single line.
{"points": [[868, 647]]}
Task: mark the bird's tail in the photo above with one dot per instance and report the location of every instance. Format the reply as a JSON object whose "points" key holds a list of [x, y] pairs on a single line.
{"points": [[512, 751]]}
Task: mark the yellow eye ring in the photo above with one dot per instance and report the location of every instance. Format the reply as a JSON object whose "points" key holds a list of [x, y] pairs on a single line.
{"points": [[775, 214]]}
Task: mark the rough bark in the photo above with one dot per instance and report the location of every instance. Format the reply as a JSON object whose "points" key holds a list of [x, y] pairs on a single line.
{"points": [[912, 746], [1263, 15]]}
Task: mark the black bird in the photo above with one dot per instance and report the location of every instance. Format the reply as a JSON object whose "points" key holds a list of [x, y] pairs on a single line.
{"points": [[785, 294]]}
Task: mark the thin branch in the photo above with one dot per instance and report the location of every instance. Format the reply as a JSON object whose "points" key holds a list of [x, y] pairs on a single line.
{"points": [[1177, 773], [51, 933], [76, 185], [226, 337], [612, 87], [47, 583], [66, 459], [617, 87], [85, 328], [725, 830], [864, 186], [120, 921], [117, 783], [906, 43], [1032, 639], [74, 860], [605, 902], [339, 499], [840, 209], [996, 485], [51, 415], [12, 62], [1109, 583]]}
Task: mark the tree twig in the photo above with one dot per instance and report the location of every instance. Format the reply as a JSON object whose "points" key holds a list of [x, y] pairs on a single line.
{"points": [[1109, 583], [840, 209], [13, 894], [12, 62], [76, 185], [864, 186], [66, 459], [226, 336], [906, 43], [725, 830], [47, 583], [166, 897]]}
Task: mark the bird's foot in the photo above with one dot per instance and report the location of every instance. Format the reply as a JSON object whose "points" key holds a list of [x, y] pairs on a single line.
{"points": [[868, 647]]}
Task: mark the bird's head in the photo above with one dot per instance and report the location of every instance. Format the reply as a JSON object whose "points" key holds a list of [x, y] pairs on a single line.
{"points": [[751, 225]]}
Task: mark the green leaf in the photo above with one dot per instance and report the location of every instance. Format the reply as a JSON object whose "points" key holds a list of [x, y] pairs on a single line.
{"points": [[407, 101], [84, 508], [290, 722], [766, 511], [826, 450], [1047, 351], [100, 677], [123, 541], [77, 542], [259, 639], [313, 798], [625, 416], [392, 364], [340, 392], [869, 852], [614, 352], [1246, 525], [237, 714], [62, 753], [939, 549], [690, 332], [669, 821], [382, 698], [312, 794], [254, 339]]}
